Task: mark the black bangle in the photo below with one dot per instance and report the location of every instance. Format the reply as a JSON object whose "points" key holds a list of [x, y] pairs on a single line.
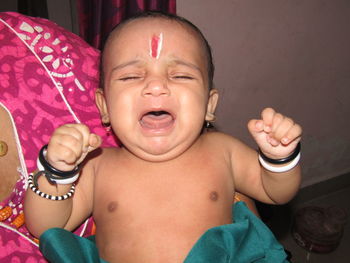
{"points": [[48, 167], [282, 160]]}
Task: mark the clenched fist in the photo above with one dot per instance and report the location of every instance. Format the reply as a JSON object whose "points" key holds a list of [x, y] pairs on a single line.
{"points": [[69, 146], [276, 135]]}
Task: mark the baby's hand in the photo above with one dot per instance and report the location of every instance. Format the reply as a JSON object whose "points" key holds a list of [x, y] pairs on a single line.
{"points": [[69, 146], [275, 134]]}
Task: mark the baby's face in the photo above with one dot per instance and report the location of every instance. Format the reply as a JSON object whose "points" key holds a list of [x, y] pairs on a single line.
{"points": [[156, 88]]}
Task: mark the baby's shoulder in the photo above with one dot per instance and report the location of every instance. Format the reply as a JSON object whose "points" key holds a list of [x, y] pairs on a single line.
{"points": [[225, 142], [220, 138], [220, 142]]}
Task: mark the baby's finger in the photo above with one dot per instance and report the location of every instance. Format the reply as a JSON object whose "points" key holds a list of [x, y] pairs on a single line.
{"points": [[94, 142], [281, 130], [67, 155], [63, 143], [255, 126], [69, 135], [293, 134], [278, 119], [82, 133], [61, 156], [267, 115]]}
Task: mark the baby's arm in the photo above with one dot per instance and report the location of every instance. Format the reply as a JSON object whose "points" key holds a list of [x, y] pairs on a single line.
{"points": [[277, 137], [68, 147]]}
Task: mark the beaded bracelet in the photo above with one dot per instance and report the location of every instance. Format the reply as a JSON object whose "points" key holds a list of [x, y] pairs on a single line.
{"points": [[32, 184]]}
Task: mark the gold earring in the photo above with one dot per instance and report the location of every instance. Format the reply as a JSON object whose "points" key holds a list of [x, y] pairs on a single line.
{"points": [[105, 120], [106, 123]]}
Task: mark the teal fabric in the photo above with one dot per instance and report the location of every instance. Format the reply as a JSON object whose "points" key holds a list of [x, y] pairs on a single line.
{"points": [[61, 246], [247, 240]]}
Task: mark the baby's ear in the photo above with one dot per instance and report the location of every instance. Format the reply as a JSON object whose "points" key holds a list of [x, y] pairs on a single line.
{"points": [[102, 105], [212, 103]]}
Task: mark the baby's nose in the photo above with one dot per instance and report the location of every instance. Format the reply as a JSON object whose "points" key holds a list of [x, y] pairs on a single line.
{"points": [[156, 88]]}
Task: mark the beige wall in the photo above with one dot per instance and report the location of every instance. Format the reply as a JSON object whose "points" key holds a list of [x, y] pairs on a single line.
{"points": [[293, 55]]}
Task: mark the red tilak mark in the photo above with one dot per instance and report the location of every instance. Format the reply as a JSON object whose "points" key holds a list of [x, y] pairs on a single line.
{"points": [[154, 46]]}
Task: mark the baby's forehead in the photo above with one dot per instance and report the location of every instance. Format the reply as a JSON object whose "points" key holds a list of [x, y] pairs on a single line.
{"points": [[154, 25], [175, 37]]}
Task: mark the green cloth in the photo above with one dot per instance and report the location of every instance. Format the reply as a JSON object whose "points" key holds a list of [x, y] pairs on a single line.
{"points": [[247, 240], [61, 246]]}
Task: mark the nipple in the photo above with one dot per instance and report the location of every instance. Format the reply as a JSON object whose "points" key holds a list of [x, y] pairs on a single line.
{"points": [[112, 206], [214, 196]]}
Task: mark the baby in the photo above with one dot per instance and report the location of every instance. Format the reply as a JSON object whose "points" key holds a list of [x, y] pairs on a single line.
{"points": [[169, 182]]}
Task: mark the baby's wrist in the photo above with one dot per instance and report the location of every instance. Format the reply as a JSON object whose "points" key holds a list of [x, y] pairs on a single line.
{"points": [[281, 160], [280, 165], [48, 187], [63, 181], [53, 174]]}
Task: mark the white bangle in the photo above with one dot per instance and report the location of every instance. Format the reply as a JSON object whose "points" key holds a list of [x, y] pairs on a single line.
{"points": [[280, 169]]}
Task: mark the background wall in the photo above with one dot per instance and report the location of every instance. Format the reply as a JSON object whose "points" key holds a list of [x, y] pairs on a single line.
{"points": [[63, 12], [292, 55]]}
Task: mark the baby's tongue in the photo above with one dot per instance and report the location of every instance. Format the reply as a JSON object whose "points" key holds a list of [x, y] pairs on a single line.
{"points": [[157, 120]]}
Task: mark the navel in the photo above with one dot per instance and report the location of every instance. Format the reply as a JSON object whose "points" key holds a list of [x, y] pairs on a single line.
{"points": [[214, 196], [112, 206]]}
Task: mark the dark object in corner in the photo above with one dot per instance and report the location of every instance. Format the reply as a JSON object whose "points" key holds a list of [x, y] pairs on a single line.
{"points": [[319, 229]]}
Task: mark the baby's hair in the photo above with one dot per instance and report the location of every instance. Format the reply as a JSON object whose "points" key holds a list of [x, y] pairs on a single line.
{"points": [[172, 17]]}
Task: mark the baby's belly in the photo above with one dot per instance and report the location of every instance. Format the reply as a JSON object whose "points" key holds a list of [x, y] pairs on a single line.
{"points": [[163, 235]]}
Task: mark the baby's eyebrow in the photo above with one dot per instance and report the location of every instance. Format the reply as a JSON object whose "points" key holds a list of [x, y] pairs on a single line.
{"points": [[187, 64], [126, 64], [174, 62]]}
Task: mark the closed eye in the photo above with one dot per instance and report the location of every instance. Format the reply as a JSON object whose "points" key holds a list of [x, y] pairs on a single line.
{"points": [[129, 78], [183, 77]]}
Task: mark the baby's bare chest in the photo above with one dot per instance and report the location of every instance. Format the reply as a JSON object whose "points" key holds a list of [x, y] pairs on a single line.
{"points": [[160, 206], [192, 186]]}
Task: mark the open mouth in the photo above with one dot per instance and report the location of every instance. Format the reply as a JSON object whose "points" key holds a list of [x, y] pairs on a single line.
{"points": [[157, 120]]}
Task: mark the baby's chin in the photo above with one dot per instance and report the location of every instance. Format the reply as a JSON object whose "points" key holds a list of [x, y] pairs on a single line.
{"points": [[157, 154]]}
